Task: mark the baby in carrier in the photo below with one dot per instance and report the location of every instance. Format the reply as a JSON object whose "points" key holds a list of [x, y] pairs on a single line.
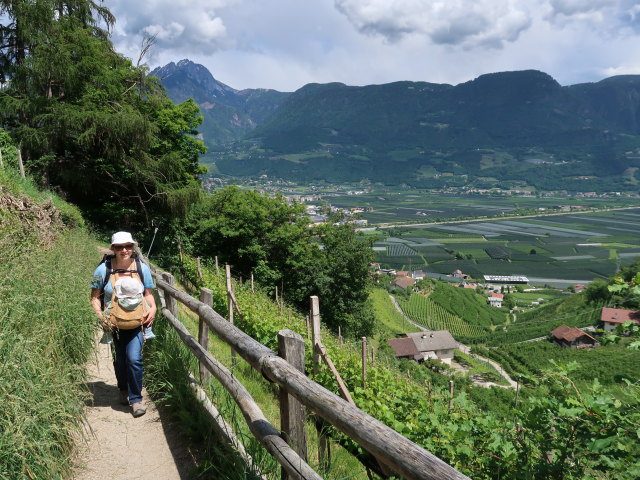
{"points": [[126, 301]]}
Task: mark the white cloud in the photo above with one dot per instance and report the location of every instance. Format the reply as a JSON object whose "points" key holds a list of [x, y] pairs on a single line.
{"points": [[178, 24], [467, 23], [284, 44], [579, 7]]}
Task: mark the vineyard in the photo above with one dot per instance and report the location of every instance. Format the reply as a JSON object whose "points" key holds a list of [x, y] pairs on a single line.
{"points": [[468, 305], [610, 364], [427, 313], [572, 311]]}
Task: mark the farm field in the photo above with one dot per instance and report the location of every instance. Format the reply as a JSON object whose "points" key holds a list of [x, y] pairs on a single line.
{"points": [[610, 364], [433, 316], [396, 205], [558, 250]]}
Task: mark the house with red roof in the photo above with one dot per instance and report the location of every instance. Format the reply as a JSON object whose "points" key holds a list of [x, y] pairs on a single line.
{"points": [[610, 318], [495, 299], [572, 337]]}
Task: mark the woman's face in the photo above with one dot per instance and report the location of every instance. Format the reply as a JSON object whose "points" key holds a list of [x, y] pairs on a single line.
{"points": [[123, 251]]}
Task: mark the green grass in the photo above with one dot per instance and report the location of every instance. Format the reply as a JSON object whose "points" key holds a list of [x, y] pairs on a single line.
{"points": [[46, 331], [166, 374], [478, 367], [389, 320]]}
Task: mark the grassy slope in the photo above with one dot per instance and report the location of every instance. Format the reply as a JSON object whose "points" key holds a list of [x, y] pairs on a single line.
{"points": [[389, 320], [46, 330]]}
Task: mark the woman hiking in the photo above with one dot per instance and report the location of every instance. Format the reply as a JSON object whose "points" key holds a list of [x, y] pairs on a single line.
{"points": [[129, 307]]}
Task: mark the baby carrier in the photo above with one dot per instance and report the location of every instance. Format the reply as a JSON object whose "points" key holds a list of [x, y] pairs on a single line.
{"points": [[121, 317], [127, 307]]}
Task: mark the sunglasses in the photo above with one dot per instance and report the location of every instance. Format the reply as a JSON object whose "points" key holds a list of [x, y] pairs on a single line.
{"points": [[120, 247]]}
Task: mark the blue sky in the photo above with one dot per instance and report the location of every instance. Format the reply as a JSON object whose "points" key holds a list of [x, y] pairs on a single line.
{"points": [[285, 44]]}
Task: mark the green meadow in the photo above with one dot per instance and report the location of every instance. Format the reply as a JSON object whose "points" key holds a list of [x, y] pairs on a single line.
{"points": [[555, 250]]}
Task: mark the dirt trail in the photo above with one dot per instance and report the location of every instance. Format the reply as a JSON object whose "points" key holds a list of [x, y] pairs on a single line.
{"points": [[118, 446]]}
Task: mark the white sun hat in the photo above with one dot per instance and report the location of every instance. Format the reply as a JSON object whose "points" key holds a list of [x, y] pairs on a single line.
{"points": [[129, 292], [121, 238]]}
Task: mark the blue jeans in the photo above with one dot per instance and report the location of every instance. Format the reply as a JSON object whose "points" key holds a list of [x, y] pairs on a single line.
{"points": [[128, 362]]}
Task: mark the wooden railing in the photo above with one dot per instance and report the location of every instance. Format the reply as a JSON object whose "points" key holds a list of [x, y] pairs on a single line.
{"points": [[393, 452]]}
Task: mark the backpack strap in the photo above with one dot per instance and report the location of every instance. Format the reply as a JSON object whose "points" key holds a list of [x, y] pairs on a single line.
{"points": [[139, 270], [106, 259]]}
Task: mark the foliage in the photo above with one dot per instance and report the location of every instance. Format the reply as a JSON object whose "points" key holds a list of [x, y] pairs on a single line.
{"points": [[572, 311], [389, 321], [465, 304], [270, 239], [430, 314], [45, 339], [610, 364], [91, 123], [558, 430]]}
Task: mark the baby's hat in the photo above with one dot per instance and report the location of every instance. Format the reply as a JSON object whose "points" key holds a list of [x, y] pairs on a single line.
{"points": [[129, 292]]}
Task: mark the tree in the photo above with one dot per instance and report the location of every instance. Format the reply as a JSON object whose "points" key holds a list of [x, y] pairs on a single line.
{"points": [[89, 122], [271, 239], [346, 266], [258, 234]]}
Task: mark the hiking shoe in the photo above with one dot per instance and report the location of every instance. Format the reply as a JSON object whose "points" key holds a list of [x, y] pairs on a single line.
{"points": [[138, 409], [124, 397]]}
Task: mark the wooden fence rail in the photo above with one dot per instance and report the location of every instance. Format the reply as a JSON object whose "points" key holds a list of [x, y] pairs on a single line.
{"points": [[388, 446]]}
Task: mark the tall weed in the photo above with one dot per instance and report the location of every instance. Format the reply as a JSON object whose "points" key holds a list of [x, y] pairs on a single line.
{"points": [[46, 331]]}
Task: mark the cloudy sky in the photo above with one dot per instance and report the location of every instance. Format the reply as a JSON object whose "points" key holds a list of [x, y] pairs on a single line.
{"points": [[285, 44]]}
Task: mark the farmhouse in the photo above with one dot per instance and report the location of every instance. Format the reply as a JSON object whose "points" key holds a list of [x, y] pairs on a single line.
{"points": [[458, 274], [439, 345], [506, 279], [495, 299], [403, 282], [418, 275], [572, 337], [612, 317]]}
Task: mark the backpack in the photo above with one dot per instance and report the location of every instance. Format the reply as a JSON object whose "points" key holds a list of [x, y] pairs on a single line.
{"points": [[106, 259]]}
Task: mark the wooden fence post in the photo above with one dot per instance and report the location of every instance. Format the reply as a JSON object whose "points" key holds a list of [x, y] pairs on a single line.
{"points": [[450, 395], [292, 412], [252, 289], [199, 268], [217, 267], [339, 335], [315, 331], [324, 449], [20, 164], [206, 296], [171, 303], [364, 362], [230, 303]]}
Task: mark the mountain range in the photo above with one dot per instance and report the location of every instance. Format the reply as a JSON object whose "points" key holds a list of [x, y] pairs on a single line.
{"points": [[508, 129]]}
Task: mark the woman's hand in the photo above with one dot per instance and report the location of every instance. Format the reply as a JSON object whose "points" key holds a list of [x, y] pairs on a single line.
{"points": [[149, 317]]}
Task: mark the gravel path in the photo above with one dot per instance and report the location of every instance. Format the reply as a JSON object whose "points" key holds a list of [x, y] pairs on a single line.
{"points": [[117, 446]]}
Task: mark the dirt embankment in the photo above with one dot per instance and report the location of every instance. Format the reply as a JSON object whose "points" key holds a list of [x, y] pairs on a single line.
{"points": [[42, 219]]}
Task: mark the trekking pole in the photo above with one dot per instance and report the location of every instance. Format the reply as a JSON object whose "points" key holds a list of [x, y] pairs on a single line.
{"points": [[154, 237]]}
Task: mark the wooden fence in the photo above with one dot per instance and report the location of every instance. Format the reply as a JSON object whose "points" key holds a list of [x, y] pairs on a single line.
{"points": [[395, 453]]}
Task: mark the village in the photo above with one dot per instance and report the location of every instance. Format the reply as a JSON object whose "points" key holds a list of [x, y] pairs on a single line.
{"points": [[429, 345]]}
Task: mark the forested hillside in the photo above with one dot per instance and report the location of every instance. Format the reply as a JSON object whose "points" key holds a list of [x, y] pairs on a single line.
{"points": [[507, 128]]}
